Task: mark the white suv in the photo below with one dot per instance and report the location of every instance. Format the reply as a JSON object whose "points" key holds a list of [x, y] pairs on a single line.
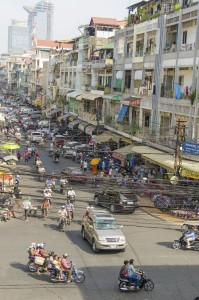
{"points": [[36, 137]]}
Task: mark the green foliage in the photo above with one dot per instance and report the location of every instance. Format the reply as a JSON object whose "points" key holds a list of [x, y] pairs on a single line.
{"points": [[108, 119], [192, 97], [178, 7]]}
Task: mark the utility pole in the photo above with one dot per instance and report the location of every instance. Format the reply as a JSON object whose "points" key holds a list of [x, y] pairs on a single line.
{"points": [[180, 138]]}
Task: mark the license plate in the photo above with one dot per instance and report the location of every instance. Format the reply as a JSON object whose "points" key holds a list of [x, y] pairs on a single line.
{"points": [[113, 246], [130, 203]]}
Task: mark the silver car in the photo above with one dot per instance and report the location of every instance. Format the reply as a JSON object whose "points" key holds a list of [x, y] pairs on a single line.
{"points": [[102, 231]]}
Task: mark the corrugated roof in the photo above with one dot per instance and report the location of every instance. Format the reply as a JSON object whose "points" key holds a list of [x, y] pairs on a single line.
{"points": [[52, 44], [104, 21]]}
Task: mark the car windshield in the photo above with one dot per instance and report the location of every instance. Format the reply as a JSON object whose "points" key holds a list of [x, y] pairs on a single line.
{"points": [[106, 224], [123, 197]]}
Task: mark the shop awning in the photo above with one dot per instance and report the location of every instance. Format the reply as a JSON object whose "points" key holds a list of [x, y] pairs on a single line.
{"points": [[89, 129], [74, 123], [82, 125], [122, 113], [91, 97], [112, 97], [126, 140], [163, 159], [122, 152], [107, 136], [79, 97], [74, 94], [65, 116]]}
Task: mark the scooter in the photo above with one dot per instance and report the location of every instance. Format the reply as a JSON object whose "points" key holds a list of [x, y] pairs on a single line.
{"points": [[147, 284], [182, 244]]}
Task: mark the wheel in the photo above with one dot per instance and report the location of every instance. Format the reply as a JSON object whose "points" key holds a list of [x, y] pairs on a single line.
{"points": [[196, 247], [94, 247], [123, 286], [176, 245], [32, 268], [112, 208], [83, 234], [184, 227], [149, 285], [79, 277], [96, 199]]}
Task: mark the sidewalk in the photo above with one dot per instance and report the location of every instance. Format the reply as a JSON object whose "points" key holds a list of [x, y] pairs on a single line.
{"points": [[153, 211]]}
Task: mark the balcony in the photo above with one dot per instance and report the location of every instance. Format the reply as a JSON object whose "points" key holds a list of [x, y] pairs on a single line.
{"points": [[187, 47], [88, 117], [102, 63]]}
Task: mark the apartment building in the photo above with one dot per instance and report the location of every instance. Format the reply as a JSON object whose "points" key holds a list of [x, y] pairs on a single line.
{"points": [[155, 72]]}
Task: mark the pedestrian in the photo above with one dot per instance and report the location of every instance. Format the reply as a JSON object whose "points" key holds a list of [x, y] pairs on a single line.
{"points": [[85, 166], [110, 171], [18, 155], [26, 156], [27, 207]]}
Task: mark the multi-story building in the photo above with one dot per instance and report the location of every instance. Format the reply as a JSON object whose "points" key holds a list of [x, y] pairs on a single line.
{"points": [[18, 37], [155, 72], [40, 21]]}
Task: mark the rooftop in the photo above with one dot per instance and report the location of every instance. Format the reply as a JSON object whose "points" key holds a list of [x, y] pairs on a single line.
{"points": [[53, 44], [104, 21]]}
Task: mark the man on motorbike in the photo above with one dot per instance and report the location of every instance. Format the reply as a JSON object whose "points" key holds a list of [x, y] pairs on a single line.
{"points": [[57, 155], [41, 169], [190, 236], [49, 182], [124, 270], [71, 193], [70, 208], [63, 181], [62, 213], [66, 267], [132, 275]]}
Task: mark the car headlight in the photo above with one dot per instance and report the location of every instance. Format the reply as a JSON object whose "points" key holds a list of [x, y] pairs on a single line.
{"points": [[122, 239], [102, 239]]}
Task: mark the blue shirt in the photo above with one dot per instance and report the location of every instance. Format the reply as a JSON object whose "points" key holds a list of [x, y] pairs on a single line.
{"points": [[131, 270]]}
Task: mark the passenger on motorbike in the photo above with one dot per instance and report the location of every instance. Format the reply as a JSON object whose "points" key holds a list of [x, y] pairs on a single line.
{"points": [[62, 213], [190, 236], [132, 275], [70, 208], [66, 266], [32, 250], [43, 253], [124, 270]]}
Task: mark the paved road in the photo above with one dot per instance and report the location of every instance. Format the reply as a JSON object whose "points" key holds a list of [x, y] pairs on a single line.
{"points": [[175, 273]]}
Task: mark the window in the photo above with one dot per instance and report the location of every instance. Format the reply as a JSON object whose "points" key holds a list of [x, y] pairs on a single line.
{"points": [[86, 105], [184, 37]]}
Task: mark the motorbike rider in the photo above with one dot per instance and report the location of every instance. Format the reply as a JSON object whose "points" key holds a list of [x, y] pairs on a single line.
{"points": [[190, 236], [63, 181], [124, 270], [71, 193], [63, 214], [41, 169], [132, 275], [57, 155], [70, 208], [66, 266], [32, 250], [43, 253]]}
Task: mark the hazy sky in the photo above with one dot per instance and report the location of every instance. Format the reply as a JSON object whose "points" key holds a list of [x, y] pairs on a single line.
{"points": [[69, 14]]}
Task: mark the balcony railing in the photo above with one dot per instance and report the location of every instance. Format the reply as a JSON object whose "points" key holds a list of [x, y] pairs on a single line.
{"points": [[187, 47]]}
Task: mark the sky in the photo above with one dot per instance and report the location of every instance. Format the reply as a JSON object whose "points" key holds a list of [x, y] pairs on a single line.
{"points": [[68, 15]]}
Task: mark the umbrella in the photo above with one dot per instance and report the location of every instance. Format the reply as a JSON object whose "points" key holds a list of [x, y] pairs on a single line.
{"points": [[10, 157], [10, 146], [95, 161]]}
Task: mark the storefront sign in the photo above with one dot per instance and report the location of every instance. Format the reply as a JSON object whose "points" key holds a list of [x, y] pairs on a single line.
{"points": [[190, 148], [189, 174]]}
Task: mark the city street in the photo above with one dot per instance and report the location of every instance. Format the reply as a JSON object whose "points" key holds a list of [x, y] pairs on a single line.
{"points": [[174, 272]]}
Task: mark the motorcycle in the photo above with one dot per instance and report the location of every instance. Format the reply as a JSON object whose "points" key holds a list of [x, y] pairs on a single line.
{"points": [[182, 244], [70, 217], [144, 282], [71, 198], [62, 224], [36, 263], [56, 160], [51, 153], [77, 276]]}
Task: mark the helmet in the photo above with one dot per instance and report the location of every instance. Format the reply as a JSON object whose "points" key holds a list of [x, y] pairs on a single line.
{"points": [[62, 207], [33, 245], [41, 246], [65, 255]]}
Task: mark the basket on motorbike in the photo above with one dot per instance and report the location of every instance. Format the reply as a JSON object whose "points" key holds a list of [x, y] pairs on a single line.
{"points": [[39, 260]]}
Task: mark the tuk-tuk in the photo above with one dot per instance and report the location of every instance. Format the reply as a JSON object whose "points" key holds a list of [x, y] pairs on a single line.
{"points": [[59, 140]]}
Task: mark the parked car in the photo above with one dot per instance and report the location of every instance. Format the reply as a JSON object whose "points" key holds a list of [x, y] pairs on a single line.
{"points": [[102, 231], [116, 201], [74, 174]]}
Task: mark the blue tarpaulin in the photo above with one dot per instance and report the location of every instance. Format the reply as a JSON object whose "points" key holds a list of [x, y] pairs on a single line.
{"points": [[178, 91], [122, 113]]}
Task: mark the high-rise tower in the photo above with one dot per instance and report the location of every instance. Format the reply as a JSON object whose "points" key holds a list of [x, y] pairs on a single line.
{"points": [[40, 20]]}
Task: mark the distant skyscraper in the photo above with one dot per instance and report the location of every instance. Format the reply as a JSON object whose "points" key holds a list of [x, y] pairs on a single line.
{"points": [[40, 20], [18, 37]]}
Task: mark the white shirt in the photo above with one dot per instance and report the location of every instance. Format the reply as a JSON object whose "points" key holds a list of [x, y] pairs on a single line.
{"points": [[27, 205], [71, 193], [62, 213], [85, 164]]}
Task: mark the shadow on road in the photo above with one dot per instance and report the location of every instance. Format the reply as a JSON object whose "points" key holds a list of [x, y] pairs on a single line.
{"points": [[166, 244]]}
